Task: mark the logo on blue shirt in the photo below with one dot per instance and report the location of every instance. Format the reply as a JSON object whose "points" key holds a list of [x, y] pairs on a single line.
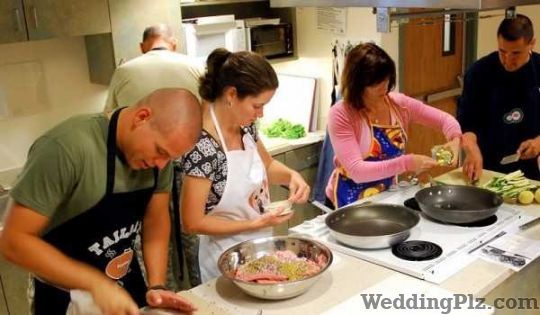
{"points": [[515, 116]]}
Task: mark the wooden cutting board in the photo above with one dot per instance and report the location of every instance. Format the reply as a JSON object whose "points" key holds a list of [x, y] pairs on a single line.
{"points": [[204, 307], [456, 177]]}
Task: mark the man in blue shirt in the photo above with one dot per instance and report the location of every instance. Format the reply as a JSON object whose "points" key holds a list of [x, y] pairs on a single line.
{"points": [[499, 109]]}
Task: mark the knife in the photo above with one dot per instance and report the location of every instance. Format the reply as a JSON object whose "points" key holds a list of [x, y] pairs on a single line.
{"points": [[529, 224], [510, 158], [482, 244], [156, 311]]}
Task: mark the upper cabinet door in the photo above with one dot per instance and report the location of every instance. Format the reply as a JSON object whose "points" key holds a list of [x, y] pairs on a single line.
{"points": [[12, 23], [59, 18], [129, 18]]}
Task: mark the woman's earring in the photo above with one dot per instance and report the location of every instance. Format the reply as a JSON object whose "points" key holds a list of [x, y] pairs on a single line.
{"points": [[229, 104]]}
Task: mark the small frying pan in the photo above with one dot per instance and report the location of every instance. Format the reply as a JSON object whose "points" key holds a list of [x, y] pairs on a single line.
{"points": [[458, 204]]}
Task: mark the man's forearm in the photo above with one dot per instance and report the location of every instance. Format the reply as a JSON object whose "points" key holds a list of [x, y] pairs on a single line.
{"points": [[48, 263], [155, 252], [155, 239], [21, 244]]}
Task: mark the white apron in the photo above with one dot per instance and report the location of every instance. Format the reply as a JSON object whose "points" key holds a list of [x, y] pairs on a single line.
{"points": [[246, 190]]}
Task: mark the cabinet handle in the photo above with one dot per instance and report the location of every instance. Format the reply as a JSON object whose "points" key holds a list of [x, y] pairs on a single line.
{"points": [[18, 26], [34, 13]]}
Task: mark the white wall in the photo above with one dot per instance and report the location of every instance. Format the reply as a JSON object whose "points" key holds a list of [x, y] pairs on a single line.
{"points": [[314, 48], [487, 27], [67, 88]]}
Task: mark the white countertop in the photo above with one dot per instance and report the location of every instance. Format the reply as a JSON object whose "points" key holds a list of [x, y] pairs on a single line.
{"points": [[279, 145], [348, 276]]}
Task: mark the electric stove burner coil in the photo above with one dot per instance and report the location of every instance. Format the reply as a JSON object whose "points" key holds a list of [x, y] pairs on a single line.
{"points": [[417, 250]]}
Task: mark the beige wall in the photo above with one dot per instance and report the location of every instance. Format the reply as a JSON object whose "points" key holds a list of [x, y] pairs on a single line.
{"points": [[487, 27], [68, 91], [314, 48]]}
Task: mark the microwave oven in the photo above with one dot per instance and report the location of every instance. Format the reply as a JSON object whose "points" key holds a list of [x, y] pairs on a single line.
{"points": [[203, 35], [270, 40]]}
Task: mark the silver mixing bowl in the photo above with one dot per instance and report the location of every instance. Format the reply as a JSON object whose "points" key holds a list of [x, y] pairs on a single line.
{"points": [[256, 248]]}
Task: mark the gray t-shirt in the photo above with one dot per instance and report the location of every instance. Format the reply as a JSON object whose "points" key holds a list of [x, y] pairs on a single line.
{"points": [[66, 170]]}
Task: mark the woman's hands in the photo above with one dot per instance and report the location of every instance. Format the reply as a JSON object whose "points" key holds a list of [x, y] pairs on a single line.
{"points": [[422, 163], [272, 218], [298, 188], [454, 146]]}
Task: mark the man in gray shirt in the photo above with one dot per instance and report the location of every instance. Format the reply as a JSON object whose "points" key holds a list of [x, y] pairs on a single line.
{"points": [[160, 66]]}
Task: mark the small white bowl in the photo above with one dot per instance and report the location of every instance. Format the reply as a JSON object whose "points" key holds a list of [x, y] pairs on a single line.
{"points": [[274, 206]]}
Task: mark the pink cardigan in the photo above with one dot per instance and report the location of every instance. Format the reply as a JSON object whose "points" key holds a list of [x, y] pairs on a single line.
{"points": [[351, 138]]}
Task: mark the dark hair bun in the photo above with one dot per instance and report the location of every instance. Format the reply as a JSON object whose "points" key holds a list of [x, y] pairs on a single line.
{"points": [[247, 72], [208, 87]]}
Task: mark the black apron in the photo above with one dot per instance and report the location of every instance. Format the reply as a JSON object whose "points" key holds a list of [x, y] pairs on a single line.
{"points": [[103, 236]]}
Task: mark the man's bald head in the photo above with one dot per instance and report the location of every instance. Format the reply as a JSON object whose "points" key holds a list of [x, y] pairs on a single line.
{"points": [[171, 108], [158, 36], [161, 127]]}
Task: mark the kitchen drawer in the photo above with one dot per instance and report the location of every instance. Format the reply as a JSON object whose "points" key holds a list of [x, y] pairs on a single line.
{"points": [[304, 157], [304, 160], [279, 193]]}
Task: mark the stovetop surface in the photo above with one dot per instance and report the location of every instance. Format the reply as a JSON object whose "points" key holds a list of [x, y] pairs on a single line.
{"points": [[454, 240]]}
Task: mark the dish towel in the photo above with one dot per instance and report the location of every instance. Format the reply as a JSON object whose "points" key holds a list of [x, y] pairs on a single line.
{"points": [[82, 303]]}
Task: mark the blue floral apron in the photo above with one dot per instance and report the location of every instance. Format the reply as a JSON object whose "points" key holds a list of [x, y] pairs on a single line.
{"points": [[387, 142]]}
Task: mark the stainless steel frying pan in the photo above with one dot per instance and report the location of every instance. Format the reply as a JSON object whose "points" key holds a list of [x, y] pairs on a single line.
{"points": [[372, 226], [458, 204]]}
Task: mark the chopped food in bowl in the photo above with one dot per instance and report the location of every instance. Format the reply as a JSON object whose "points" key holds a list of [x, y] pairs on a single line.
{"points": [[442, 155], [282, 266], [274, 268]]}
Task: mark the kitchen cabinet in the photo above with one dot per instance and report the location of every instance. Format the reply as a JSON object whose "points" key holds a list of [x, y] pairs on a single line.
{"points": [[12, 24], [22, 20], [3, 302], [57, 18], [240, 9], [128, 19], [304, 160], [14, 284]]}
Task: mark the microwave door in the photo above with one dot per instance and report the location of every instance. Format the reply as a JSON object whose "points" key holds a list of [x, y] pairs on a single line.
{"points": [[272, 40]]}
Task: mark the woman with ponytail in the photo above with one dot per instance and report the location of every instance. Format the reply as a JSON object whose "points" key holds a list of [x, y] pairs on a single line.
{"points": [[228, 172]]}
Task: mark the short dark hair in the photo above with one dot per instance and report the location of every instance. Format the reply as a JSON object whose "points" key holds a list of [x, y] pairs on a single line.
{"points": [[158, 30], [515, 28], [248, 72], [365, 65]]}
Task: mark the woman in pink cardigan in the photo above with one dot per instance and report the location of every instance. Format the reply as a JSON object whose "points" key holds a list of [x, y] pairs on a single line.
{"points": [[368, 128]]}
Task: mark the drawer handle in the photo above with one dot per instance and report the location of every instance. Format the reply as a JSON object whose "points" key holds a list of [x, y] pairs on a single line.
{"points": [[18, 26], [34, 12]]}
